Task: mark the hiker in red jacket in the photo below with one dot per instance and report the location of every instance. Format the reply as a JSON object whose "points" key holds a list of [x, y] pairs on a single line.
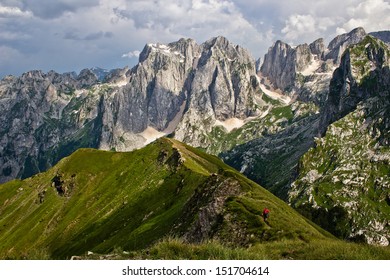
{"points": [[265, 214]]}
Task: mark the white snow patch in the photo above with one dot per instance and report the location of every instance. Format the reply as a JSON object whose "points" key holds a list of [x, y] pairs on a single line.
{"points": [[313, 66], [230, 124], [234, 123], [150, 134], [160, 47], [274, 95], [121, 83], [179, 54]]}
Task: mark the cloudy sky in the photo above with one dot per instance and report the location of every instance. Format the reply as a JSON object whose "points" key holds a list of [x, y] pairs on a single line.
{"points": [[69, 35]]}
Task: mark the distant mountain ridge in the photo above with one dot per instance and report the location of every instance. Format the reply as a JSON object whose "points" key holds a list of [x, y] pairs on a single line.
{"points": [[382, 35], [173, 88]]}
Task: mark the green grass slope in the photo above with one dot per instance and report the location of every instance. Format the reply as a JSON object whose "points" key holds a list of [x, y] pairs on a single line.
{"points": [[98, 201]]}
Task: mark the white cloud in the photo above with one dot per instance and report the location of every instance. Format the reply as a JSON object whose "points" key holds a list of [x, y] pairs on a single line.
{"points": [[167, 21], [7, 12], [299, 25], [131, 54], [305, 21], [67, 35], [307, 28], [373, 15]]}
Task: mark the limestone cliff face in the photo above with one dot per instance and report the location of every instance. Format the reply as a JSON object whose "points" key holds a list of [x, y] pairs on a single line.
{"points": [[222, 86], [183, 88], [299, 72], [363, 73], [343, 182], [278, 65], [339, 44], [174, 87], [154, 94], [318, 48], [38, 113], [304, 72]]}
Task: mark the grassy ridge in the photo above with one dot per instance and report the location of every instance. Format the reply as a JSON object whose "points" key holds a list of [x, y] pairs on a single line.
{"points": [[113, 194], [287, 249], [176, 249], [98, 201]]}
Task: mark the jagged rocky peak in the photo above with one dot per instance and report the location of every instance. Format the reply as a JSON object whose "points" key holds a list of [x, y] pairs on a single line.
{"points": [[100, 73], [373, 52], [303, 57], [179, 83], [339, 44], [165, 67], [39, 113], [184, 46], [223, 89], [352, 37], [277, 65], [222, 48], [304, 72], [219, 42], [382, 35], [32, 76], [279, 51], [5, 84], [87, 78], [182, 49], [363, 73], [118, 76], [227, 72], [282, 63], [318, 47], [66, 82]]}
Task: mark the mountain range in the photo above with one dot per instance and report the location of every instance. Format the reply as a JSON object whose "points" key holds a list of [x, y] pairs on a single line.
{"points": [[311, 126]]}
